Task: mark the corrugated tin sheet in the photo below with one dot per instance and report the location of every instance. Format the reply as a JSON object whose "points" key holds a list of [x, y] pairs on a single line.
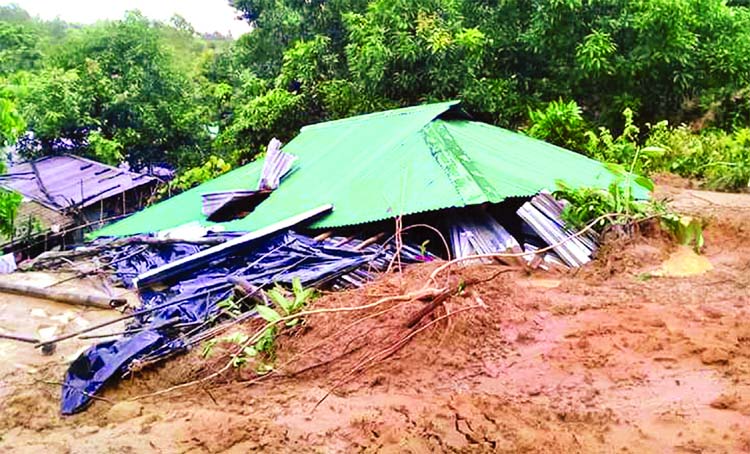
{"points": [[276, 165], [70, 181], [378, 166]]}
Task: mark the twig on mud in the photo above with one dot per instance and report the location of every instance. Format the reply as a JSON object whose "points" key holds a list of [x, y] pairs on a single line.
{"points": [[388, 351], [422, 293], [425, 226], [399, 245], [211, 396], [340, 332], [324, 363]]}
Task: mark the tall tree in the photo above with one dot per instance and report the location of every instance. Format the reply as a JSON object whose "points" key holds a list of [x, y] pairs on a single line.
{"points": [[117, 80]]}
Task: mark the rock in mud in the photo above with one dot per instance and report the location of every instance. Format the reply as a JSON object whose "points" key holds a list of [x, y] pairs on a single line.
{"points": [[124, 411], [714, 355]]}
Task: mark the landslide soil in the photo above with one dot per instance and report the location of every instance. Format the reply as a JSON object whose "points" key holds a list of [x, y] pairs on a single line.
{"points": [[608, 359]]}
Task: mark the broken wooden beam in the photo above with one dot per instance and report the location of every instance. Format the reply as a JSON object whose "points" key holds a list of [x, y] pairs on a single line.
{"points": [[369, 241]]}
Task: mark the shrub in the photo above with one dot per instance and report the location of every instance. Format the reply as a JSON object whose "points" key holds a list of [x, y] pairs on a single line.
{"points": [[560, 123], [9, 203]]}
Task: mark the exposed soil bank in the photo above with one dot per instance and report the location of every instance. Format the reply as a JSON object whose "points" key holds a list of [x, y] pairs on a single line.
{"points": [[611, 359]]}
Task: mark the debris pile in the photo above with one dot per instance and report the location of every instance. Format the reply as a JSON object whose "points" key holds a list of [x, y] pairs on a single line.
{"points": [[323, 212], [189, 306]]}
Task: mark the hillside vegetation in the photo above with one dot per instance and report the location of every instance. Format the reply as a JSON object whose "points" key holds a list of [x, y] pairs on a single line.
{"points": [[668, 78]]}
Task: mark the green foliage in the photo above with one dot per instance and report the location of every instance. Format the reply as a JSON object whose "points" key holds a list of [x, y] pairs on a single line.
{"points": [[11, 123], [263, 349], [686, 230], [9, 203], [494, 100], [212, 168], [618, 202], [148, 92], [105, 150], [560, 123], [19, 48], [55, 106], [721, 159], [299, 299], [410, 51], [623, 149], [120, 80], [238, 359], [595, 54], [729, 169], [307, 62], [588, 204], [617, 205], [273, 114]]}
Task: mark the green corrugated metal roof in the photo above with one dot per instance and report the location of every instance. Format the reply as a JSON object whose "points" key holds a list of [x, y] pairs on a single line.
{"points": [[377, 166]]}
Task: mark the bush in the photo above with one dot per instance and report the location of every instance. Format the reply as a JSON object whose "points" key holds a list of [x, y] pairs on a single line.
{"points": [[560, 123], [213, 167], [731, 170], [721, 159], [9, 203]]}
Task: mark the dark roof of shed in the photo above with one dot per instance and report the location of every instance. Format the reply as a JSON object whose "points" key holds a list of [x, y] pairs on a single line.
{"points": [[62, 182]]}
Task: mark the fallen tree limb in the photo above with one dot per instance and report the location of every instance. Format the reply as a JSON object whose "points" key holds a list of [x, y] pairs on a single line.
{"points": [[251, 340], [388, 351], [428, 308]]}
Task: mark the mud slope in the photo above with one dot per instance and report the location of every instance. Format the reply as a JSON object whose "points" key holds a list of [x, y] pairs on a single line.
{"points": [[610, 359]]}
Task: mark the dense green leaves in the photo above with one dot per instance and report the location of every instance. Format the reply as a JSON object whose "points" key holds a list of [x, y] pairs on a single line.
{"points": [[115, 92], [149, 93], [9, 203], [11, 123]]}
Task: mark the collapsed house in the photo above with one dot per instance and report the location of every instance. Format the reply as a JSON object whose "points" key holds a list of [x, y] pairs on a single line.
{"points": [[63, 196], [322, 210]]}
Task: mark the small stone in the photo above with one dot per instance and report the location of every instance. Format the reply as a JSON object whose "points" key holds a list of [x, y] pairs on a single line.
{"points": [[88, 430], [714, 355], [124, 411], [711, 312]]}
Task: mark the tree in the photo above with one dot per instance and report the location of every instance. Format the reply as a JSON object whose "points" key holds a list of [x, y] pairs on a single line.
{"points": [[19, 48], [11, 122], [118, 80]]}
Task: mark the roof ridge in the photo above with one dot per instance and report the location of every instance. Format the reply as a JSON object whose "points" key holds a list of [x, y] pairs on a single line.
{"points": [[468, 180], [446, 105]]}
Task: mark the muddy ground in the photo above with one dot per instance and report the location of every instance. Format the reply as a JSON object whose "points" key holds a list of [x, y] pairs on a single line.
{"points": [[613, 358]]}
